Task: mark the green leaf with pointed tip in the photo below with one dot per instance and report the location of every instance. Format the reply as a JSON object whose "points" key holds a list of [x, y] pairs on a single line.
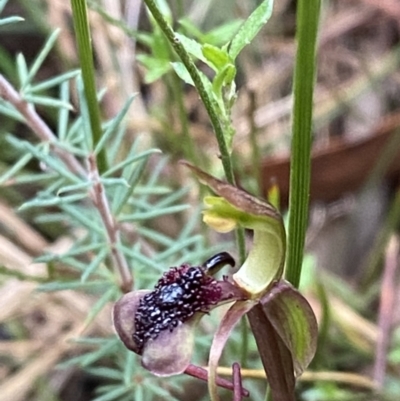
{"points": [[182, 72], [192, 47], [251, 27], [223, 33], [217, 37], [216, 57], [293, 319]]}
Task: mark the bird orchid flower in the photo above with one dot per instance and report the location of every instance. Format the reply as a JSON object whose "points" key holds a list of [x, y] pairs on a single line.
{"points": [[159, 324]]}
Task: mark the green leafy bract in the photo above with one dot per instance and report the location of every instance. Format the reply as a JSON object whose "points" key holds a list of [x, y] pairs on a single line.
{"points": [[250, 28]]}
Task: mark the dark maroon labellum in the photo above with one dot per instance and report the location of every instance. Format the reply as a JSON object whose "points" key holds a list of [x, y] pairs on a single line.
{"points": [[178, 295]]}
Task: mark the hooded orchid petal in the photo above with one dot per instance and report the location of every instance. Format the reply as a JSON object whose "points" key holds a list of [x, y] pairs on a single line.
{"points": [[234, 207]]}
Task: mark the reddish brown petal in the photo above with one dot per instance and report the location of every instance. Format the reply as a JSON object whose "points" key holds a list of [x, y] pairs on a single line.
{"points": [[124, 317]]}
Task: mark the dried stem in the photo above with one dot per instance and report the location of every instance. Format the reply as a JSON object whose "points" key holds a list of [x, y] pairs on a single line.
{"points": [[237, 382], [97, 193], [202, 374], [100, 200]]}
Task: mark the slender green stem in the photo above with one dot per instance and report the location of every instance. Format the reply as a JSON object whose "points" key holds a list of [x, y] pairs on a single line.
{"points": [[244, 349], [304, 77], [85, 52], [208, 104], [194, 73]]}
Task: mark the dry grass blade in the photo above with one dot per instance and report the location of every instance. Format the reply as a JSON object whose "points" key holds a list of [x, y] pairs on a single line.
{"points": [[18, 386], [386, 310], [20, 231]]}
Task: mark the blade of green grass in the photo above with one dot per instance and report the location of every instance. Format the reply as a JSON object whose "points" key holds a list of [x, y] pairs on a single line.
{"points": [[304, 77], [81, 26]]}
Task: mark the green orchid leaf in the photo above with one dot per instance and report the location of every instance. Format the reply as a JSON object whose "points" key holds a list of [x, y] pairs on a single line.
{"points": [[183, 74], [265, 260], [251, 27], [293, 319]]}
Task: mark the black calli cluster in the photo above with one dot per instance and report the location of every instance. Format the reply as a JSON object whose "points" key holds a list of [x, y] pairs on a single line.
{"points": [[178, 295]]}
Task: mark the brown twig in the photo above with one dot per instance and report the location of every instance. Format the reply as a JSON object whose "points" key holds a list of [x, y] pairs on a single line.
{"points": [[202, 374], [237, 382], [100, 200]]}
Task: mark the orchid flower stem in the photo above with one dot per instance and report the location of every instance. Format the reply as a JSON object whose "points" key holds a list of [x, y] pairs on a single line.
{"points": [[201, 373], [240, 240], [194, 73], [244, 342], [237, 382], [207, 101]]}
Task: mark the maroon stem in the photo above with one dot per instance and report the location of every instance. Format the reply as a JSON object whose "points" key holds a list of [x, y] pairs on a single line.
{"points": [[275, 356], [202, 374], [237, 382]]}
